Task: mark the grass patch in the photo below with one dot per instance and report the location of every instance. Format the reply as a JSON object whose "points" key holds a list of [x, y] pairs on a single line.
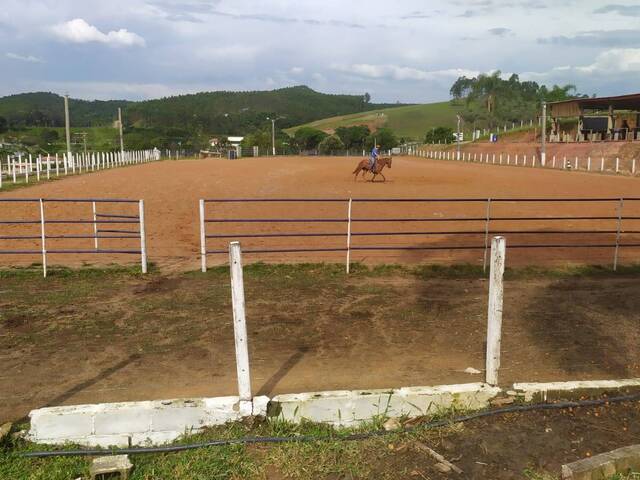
{"points": [[326, 457]]}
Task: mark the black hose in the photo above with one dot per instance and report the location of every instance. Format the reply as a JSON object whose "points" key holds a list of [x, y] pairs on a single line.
{"points": [[350, 437]]}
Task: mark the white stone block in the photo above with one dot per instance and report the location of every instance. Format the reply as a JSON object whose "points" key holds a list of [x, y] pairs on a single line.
{"points": [[352, 407], [529, 390], [55, 423], [123, 418]]}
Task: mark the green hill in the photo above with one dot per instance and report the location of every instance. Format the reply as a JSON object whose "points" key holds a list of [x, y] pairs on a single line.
{"points": [[411, 121], [212, 112]]}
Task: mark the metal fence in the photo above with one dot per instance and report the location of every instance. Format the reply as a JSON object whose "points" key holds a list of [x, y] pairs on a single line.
{"points": [[35, 229], [347, 225]]}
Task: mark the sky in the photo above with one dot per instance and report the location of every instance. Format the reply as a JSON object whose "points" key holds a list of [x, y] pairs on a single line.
{"points": [[398, 51]]}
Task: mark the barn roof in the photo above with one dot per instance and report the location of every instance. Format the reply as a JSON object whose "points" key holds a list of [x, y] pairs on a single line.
{"points": [[575, 107]]}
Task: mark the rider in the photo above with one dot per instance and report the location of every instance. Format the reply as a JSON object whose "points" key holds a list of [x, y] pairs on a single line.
{"points": [[373, 159]]}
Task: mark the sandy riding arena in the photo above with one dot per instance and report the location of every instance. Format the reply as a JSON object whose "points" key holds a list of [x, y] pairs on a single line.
{"points": [[171, 190]]}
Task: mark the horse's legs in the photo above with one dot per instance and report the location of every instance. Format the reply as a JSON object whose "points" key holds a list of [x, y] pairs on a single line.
{"points": [[384, 179]]}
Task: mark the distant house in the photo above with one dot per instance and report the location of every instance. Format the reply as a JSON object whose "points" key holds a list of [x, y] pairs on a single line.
{"points": [[235, 141]]}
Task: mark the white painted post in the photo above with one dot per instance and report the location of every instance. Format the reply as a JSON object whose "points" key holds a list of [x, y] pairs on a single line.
{"points": [[203, 239], [500, 159], [617, 164], [48, 167], [602, 164], [516, 159], [43, 240], [633, 167], [95, 225], [143, 238], [494, 318], [239, 322], [508, 158], [38, 167], [575, 164], [525, 161], [13, 166], [348, 235], [588, 164], [553, 163]]}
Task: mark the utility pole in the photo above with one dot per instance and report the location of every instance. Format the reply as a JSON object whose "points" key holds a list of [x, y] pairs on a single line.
{"points": [[120, 127], [66, 124], [543, 151], [458, 138]]}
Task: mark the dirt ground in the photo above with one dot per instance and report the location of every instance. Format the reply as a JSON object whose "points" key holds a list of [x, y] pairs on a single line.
{"points": [[104, 336], [531, 445], [171, 190]]}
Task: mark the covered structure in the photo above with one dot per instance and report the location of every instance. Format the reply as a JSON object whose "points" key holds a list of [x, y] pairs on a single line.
{"points": [[605, 118]]}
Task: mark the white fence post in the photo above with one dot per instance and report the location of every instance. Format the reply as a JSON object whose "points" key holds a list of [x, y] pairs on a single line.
{"points": [[43, 240], [203, 239], [494, 318], [348, 236], [143, 238], [617, 164], [239, 323]]}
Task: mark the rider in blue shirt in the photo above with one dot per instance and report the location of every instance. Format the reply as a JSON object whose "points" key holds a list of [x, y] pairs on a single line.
{"points": [[373, 159]]}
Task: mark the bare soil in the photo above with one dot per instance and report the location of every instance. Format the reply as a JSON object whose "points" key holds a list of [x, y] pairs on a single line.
{"points": [[88, 337], [171, 191]]}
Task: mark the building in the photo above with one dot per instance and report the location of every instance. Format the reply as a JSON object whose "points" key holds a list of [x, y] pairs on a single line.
{"points": [[598, 119]]}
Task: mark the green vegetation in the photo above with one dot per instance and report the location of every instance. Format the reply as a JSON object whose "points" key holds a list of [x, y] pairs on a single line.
{"points": [[412, 121], [331, 144], [214, 112], [489, 100], [440, 135]]}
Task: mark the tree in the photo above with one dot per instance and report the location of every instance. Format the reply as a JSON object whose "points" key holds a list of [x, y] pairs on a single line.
{"points": [[383, 137], [331, 144], [367, 98], [49, 136], [353, 137], [439, 135], [4, 125], [308, 138]]}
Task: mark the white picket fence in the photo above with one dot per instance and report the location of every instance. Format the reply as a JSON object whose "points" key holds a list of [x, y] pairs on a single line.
{"points": [[29, 168], [588, 164]]}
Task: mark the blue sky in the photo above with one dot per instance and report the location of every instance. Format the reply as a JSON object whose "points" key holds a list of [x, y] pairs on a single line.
{"points": [[406, 50]]}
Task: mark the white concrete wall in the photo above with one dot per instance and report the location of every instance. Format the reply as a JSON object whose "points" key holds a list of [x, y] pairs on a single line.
{"points": [[530, 391], [346, 408], [136, 423]]}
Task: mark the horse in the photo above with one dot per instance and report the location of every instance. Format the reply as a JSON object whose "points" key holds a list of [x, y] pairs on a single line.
{"points": [[363, 167]]}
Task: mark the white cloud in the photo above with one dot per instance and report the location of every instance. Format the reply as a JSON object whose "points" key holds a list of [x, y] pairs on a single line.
{"points": [[79, 31], [397, 72], [24, 58], [618, 60], [296, 70]]}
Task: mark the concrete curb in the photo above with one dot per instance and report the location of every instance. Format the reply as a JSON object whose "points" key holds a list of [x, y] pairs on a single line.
{"points": [[604, 465], [545, 391], [163, 421]]}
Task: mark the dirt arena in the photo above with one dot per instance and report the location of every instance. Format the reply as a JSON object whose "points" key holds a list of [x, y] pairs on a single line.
{"points": [[116, 337], [171, 191]]}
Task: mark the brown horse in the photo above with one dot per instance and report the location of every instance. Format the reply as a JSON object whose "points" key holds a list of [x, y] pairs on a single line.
{"points": [[363, 167]]}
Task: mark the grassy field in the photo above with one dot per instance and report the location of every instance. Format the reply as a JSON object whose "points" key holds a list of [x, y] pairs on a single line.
{"points": [[412, 121], [98, 138]]}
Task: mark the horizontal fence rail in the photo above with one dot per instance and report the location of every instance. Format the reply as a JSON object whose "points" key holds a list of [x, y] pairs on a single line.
{"points": [[97, 220], [604, 229]]}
